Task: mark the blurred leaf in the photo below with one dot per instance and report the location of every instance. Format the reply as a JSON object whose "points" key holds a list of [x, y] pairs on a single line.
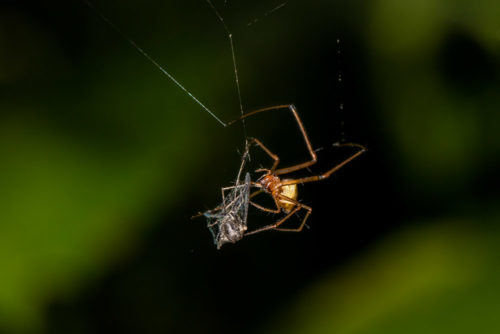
{"points": [[439, 278], [79, 182], [434, 73]]}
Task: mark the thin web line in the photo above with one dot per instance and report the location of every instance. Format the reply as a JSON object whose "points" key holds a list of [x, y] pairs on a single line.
{"points": [[340, 86], [138, 48], [235, 68], [267, 13]]}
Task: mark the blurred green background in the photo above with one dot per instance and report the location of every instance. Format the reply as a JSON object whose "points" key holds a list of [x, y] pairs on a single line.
{"points": [[104, 161]]}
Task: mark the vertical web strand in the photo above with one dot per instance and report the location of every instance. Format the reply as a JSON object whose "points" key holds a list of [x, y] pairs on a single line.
{"points": [[340, 86], [148, 57], [235, 68]]}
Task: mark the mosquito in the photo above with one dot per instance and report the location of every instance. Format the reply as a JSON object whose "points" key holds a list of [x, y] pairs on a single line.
{"points": [[228, 221]]}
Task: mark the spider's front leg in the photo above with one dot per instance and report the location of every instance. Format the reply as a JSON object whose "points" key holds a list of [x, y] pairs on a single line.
{"points": [[295, 114], [269, 153], [361, 150]]}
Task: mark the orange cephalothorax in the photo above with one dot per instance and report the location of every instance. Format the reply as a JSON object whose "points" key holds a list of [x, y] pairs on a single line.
{"points": [[271, 183]]}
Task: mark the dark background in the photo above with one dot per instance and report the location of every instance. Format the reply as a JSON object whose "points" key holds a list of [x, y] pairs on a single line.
{"points": [[105, 160]]}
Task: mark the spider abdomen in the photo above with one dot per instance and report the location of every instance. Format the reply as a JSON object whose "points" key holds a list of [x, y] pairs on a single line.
{"points": [[289, 191]]}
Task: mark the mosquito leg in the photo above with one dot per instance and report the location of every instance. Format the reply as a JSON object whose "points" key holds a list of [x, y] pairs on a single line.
{"points": [[199, 214], [223, 191], [244, 158]]}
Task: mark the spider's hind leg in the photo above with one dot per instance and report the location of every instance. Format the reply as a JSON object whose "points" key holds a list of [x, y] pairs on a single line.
{"points": [[262, 208], [298, 206], [276, 225]]}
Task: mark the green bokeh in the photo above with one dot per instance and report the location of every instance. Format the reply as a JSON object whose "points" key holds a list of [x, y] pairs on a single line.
{"points": [[95, 144], [435, 277]]}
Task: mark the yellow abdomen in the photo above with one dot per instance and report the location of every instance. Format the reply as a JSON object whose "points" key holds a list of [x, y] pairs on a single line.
{"points": [[291, 192]]}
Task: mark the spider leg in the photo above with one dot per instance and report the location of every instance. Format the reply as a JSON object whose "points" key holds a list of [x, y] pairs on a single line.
{"points": [[276, 225], [260, 207], [255, 193], [297, 208], [302, 130], [302, 224], [265, 149], [323, 176], [273, 226]]}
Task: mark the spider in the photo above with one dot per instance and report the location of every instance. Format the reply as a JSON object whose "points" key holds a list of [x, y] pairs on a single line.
{"points": [[284, 191]]}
